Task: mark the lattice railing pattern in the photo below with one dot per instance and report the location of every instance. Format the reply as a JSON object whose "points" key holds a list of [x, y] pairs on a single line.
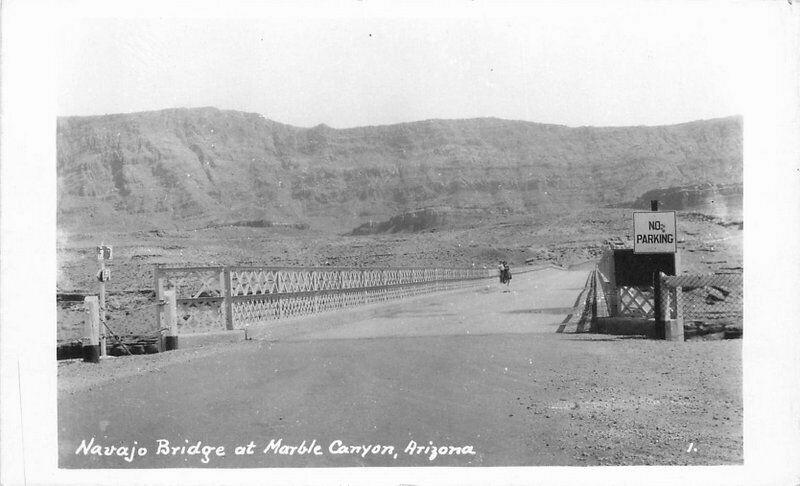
{"points": [[605, 284], [235, 297], [196, 316], [196, 282], [273, 307], [636, 301], [258, 281]]}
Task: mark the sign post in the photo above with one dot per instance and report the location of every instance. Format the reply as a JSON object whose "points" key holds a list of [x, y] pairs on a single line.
{"points": [[655, 235], [91, 333], [103, 253]]}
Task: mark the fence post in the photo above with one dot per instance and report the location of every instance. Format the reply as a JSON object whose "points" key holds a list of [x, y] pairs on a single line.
{"points": [[613, 305], [675, 326], [158, 284], [102, 303], [91, 333], [658, 305], [593, 290], [227, 301], [171, 315]]}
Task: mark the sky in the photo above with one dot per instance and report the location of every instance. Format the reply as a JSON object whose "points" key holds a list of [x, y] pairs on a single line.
{"points": [[608, 64]]}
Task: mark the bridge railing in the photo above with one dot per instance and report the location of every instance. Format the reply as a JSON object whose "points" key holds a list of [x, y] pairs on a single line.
{"points": [[233, 297]]}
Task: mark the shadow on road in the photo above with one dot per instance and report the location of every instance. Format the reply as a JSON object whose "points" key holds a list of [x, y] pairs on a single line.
{"points": [[611, 338], [544, 310]]}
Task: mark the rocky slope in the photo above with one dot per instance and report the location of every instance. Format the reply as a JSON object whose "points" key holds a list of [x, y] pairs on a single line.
{"points": [[198, 167], [721, 200]]}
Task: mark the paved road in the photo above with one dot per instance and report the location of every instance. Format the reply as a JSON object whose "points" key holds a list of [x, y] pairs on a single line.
{"points": [[481, 370]]}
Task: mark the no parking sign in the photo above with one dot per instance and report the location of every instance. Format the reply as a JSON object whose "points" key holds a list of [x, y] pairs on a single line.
{"points": [[105, 252], [655, 232]]}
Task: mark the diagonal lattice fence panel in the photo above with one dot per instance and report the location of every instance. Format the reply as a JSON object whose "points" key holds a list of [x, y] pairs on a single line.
{"points": [[636, 301], [216, 298]]}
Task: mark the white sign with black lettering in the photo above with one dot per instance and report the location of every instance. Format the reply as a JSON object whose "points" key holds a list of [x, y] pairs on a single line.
{"points": [[103, 275], [655, 232], [105, 252]]}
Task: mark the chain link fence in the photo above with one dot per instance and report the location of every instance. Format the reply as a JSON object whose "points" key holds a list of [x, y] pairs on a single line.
{"points": [[129, 327], [706, 304]]}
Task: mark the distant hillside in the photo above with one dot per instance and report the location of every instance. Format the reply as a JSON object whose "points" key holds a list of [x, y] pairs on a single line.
{"points": [[192, 167]]}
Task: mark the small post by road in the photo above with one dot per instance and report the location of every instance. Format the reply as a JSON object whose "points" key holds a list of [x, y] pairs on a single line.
{"points": [[673, 328], [227, 297], [159, 291], [658, 306], [171, 318], [103, 253], [102, 294], [613, 301], [91, 332], [594, 289], [654, 205]]}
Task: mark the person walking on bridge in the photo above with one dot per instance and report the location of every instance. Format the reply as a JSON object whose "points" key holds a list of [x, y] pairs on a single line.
{"points": [[505, 272]]}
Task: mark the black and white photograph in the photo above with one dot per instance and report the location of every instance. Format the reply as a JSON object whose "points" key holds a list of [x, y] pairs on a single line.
{"points": [[362, 242]]}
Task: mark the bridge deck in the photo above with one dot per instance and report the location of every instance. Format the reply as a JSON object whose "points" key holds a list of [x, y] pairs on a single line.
{"points": [[534, 302]]}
